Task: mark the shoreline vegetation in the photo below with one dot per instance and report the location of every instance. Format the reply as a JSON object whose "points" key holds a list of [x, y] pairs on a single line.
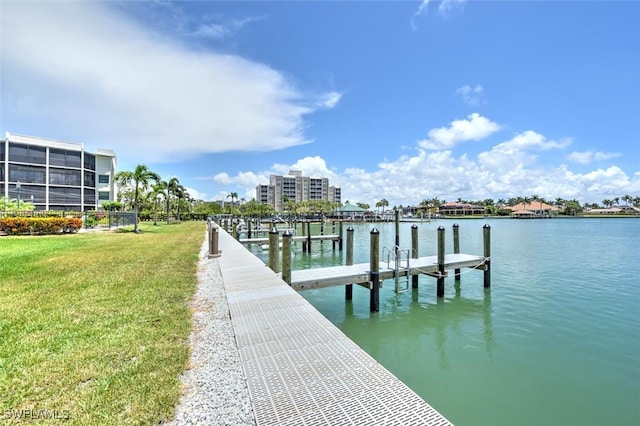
{"points": [[95, 326]]}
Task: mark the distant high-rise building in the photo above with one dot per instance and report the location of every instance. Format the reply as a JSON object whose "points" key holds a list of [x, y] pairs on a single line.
{"points": [[55, 175], [296, 187]]}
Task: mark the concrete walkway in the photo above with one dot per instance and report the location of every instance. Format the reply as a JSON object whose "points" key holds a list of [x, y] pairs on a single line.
{"points": [[300, 368]]}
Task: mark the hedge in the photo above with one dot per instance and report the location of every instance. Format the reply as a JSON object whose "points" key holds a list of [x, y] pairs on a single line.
{"points": [[39, 225]]}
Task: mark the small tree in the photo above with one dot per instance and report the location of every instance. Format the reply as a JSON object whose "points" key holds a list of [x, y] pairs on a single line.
{"points": [[140, 178]]}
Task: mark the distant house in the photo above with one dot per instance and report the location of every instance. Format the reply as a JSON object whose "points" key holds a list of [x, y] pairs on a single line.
{"points": [[615, 210], [534, 209], [460, 209], [350, 212]]}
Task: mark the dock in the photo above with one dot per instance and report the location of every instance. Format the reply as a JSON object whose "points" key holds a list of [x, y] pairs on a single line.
{"points": [[300, 368], [360, 273], [303, 238]]}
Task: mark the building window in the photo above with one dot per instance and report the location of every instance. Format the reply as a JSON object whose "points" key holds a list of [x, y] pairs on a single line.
{"points": [[89, 161], [27, 154], [64, 177], [62, 195], [64, 158], [26, 174], [90, 179], [103, 179], [103, 195], [89, 196]]}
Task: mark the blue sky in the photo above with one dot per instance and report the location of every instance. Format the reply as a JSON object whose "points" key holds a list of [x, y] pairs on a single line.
{"points": [[402, 100]]}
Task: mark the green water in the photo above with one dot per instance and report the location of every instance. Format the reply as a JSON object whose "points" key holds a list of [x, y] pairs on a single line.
{"points": [[555, 341]]}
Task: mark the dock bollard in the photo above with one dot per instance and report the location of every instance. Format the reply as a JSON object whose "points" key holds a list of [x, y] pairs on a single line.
{"points": [[486, 232], [456, 248], [374, 274], [213, 240], [274, 250], [441, 271], [348, 289], [414, 253], [286, 256]]}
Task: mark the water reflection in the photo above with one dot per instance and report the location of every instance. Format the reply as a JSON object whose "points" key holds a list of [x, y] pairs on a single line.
{"points": [[415, 324]]}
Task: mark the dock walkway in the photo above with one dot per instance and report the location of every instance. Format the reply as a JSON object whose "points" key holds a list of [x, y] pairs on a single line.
{"points": [[300, 368], [359, 273]]}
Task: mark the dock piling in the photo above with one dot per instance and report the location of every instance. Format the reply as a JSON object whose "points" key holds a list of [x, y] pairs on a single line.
{"points": [[286, 256], [274, 250], [414, 253], [441, 268], [456, 248], [348, 290], [374, 266], [486, 233]]}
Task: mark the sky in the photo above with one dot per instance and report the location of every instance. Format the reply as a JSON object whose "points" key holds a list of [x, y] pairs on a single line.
{"points": [[395, 100]]}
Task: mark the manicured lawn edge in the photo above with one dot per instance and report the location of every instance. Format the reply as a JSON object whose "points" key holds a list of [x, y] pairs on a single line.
{"points": [[95, 327]]}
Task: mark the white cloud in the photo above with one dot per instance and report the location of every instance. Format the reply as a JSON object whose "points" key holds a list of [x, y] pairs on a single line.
{"points": [[471, 95], [423, 9], [411, 178], [444, 8], [87, 67], [587, 157], [475, 127], [329, 100], [224, 29], [448, 5]]}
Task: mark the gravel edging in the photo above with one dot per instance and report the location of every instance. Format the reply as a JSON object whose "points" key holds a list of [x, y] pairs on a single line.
{"points": [[214, 389]]}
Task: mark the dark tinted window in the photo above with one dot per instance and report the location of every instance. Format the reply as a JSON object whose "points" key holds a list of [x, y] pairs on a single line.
{"points": [[27, 154], [26, 174], [64, 158]]}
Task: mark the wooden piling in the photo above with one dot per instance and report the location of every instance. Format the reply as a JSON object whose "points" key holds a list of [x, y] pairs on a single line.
{"points": [[456, 247], [286, 256], [340, 225], [348, 290], [234, 229], [303, 231], [309, 236], [397, 217], [414, 253], [486, 233], [441, 270], [249, 227], [274, 250], [374, 266]]}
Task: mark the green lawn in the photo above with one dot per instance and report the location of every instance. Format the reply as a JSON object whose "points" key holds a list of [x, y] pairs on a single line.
{"points": [[95, 326]]}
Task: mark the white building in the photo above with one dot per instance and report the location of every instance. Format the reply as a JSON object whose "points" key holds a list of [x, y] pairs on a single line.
{"points": [[296, 187], [55, 175]]}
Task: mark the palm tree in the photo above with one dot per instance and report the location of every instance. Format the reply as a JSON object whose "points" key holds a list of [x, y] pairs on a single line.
{"points": [[382, 203], [233, 196], [171, 187], [181, 194], [140, 178], [156, 191]]}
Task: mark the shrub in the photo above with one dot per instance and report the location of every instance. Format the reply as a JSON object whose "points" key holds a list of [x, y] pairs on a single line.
{"points": [[39, 225]]}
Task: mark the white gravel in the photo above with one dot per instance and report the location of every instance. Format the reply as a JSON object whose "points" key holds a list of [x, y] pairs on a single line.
{"points": [[214, 387]]}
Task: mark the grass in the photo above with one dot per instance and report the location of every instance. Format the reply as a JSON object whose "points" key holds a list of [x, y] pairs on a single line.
{"points": [[95, 326]]}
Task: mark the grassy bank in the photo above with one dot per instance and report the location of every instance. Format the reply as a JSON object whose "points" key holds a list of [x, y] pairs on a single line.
{"points": [[94, 327]]}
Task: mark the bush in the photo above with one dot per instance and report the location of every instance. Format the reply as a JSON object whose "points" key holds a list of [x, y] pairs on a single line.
{"points": [[39, 225]]}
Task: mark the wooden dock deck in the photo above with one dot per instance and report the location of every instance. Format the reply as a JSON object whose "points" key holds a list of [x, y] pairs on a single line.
{"points": [[300, 368], [359, 273]]}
